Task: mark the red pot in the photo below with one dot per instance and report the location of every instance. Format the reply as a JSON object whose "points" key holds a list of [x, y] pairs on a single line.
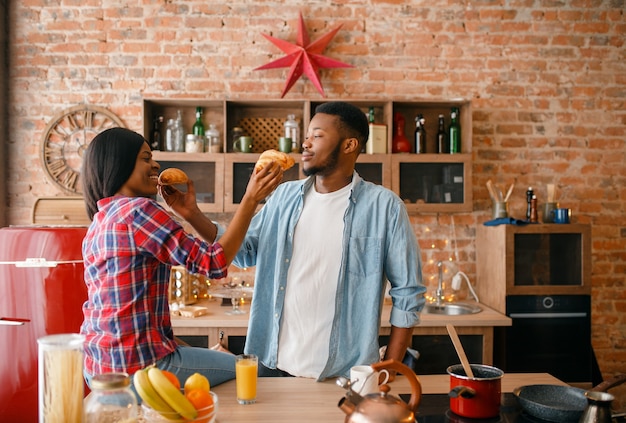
{"points": [[477, 397]]}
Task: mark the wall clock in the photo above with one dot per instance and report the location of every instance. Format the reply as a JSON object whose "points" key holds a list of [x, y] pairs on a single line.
{"points": [[65, 139]]}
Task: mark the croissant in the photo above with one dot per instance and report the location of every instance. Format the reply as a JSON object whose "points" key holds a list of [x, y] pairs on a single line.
{"points": [[283, 159], [173, 176]]}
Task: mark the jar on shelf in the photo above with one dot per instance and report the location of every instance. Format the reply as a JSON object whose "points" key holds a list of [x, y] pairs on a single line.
{"points": [[111, 400], [213, 142], [194, 143]]}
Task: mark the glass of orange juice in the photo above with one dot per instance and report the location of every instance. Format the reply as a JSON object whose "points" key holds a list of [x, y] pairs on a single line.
{"points": [[246, 369]]}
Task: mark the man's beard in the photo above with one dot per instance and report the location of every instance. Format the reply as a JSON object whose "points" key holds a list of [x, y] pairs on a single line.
{"points": [[325, 168]]}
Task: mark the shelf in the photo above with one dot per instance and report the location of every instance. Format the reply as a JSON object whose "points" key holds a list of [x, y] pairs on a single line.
{"points": [[428, 183], [431, 111], [263, 120], [433, 182], [237, 170], [206, 170]]}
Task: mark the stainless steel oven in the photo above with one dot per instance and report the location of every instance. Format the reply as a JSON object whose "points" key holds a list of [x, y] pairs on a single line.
{"points": [[550, 333]]}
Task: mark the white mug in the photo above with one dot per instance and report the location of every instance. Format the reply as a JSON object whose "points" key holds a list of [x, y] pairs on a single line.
{"points": [[364, 379]]}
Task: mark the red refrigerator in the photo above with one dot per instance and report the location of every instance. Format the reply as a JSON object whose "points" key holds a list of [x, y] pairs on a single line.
{"points": [[41, 293]]}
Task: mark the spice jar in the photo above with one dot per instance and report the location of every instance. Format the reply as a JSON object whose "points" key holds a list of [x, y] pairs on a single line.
{"points": [[110, 400]]}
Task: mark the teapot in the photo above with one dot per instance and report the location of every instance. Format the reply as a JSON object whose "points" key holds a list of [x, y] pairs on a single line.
{"points": [[381, 407]]}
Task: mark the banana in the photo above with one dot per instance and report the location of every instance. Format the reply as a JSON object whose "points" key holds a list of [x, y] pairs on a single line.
{"points": [[150, 396], [172, 396]]}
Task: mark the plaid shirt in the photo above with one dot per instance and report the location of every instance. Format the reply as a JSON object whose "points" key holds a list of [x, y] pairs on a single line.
{"points": [[128, 251]]}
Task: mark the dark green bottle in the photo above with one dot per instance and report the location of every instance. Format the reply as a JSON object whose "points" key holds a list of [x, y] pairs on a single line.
{"points": [[454, 132], [198, 126]]}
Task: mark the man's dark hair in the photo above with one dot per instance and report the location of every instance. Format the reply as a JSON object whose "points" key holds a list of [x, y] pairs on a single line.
{"points": [[353, 122], [107, 164]]}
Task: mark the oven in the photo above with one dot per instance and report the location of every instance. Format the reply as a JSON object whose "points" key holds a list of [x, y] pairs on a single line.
{"points": [[550, 333]]}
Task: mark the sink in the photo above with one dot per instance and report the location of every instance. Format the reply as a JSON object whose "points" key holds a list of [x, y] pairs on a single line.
{"points": [[452, 309]]}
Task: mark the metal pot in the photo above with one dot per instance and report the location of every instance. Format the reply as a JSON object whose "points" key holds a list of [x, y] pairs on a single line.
{"points": [[558, 403], [477, 397]]}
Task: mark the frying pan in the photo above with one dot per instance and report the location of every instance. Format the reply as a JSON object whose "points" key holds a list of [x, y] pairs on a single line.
{"points": [[557, 403]]}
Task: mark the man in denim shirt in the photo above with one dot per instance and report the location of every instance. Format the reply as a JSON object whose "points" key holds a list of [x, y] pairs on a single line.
{"points": [[323, 248]]}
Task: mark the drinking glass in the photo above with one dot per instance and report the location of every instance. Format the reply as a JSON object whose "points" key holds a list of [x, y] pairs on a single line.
{"points": [[235, 299], [246, 370]]}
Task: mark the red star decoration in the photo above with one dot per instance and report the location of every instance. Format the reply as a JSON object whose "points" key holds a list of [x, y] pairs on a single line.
{"points": [[304, 57]]}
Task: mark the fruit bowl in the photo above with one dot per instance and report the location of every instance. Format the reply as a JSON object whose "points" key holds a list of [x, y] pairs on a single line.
{"points": [[205, 415]]}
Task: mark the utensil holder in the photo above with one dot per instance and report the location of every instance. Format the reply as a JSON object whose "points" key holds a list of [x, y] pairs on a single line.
{"points": [[548, 212], [499, 209]]}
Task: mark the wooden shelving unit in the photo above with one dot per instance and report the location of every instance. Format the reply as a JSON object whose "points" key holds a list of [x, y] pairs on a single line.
{"points": [[428, 183]]}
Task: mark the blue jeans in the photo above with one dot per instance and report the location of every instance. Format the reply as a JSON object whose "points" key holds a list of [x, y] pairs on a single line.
{"points": [[217, 366]]}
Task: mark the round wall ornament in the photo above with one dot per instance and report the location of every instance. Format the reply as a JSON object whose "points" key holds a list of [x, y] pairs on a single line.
{"points": [[65, 139]]}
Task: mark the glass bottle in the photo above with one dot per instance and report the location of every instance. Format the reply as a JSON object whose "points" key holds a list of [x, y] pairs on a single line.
{"points": [[292, 130], [179, 133], [213, 143], [454, 131], [155, 136], [371, 115], [400, 142], [420, 135], [174, 134], [198, 126], [110, 400], [441, 136]]}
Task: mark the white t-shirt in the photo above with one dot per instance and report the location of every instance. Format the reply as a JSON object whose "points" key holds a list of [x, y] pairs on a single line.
{"points": [[312, 284]]}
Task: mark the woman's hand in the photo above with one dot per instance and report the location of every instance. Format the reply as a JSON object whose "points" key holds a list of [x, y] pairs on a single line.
{"points": [[183, 204]]}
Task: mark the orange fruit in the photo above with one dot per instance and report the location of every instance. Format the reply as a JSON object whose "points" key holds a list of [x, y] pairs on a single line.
{"points": [[201, 401], [172, 378]]}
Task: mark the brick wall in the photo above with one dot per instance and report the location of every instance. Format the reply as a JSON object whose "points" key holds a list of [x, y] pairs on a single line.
{"points": [[4, 101], [547, 81]]}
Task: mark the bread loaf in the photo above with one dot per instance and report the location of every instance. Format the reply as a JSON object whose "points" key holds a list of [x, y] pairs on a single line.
{"points": [[173, 176], [283, 159]]}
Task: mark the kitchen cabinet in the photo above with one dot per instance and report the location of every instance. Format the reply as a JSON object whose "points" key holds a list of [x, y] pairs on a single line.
{"points": [[238, 168], [476, 332], [206, 170], [533, 259], [426, 182], [540, 276]]}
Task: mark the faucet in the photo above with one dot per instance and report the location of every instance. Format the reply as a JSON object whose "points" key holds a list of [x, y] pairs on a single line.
{"points": [[439, 292]]}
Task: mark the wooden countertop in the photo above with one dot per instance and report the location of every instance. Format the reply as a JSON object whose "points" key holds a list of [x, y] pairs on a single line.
{"points": [[305, 400], [217, 317]]}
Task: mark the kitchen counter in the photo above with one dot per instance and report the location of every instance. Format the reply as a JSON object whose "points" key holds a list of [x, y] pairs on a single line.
{"points": [[216, 321], [304, 400]]}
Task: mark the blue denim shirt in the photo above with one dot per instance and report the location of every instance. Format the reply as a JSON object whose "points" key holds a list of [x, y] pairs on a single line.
{"points": [[378, 245]]}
